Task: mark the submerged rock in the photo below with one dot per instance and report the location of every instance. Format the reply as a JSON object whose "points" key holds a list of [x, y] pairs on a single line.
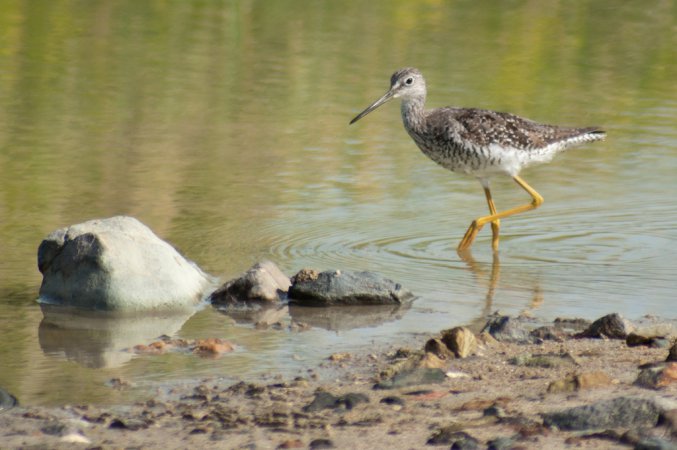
{"points": [[117, 264], [616, 413], [263, 283], [336, 287], [7, 400]]}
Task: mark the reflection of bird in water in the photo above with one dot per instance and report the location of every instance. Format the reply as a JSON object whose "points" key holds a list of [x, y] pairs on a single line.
{"points": [[479, 142], [492, 279]]}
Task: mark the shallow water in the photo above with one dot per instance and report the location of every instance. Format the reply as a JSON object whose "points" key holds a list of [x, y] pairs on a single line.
{"points": [[224, 127]]}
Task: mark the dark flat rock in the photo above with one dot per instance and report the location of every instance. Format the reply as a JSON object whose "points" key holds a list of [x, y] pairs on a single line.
{"points": [[414, 377], [616, 413], [336, 287], [325, 400], [611, 326]]}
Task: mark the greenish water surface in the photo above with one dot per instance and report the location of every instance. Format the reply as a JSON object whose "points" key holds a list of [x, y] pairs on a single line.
{"points": [[223, 126]]}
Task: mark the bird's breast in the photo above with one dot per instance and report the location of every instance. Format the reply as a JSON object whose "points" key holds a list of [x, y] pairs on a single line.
{"points": [[461, 157]]}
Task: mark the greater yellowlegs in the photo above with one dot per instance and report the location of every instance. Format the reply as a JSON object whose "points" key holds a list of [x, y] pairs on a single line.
{"points": [[479, 142]]}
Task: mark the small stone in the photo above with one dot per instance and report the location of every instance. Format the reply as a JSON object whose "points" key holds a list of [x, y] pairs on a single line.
{"points": [[546, 361], [657, 376], [616, 413], [430, 361], [460, 340], [325, 400], [291, 443], [438, 348], [412, 378], [672, 355], [611, 326], [212, 347], [7, 400], [454, 375], [264, 282], [338, 357], [636, 340], [483, 404], [431, 395], [457, 439], [320, 444], [548, 333], [392, 400], [494, 411], [588, 380], [669, 419], [118, 383], [502, 443], [508, 329], [75, 438]]}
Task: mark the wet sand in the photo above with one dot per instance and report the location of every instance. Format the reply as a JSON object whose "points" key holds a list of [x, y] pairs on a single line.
{"points": [[499, 392]]}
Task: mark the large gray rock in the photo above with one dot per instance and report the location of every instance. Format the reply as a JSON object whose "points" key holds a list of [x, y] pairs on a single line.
{"points": [[117, 264], [336, 287]]}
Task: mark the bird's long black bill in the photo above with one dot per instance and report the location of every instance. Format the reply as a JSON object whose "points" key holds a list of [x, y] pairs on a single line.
{"points": [[388, 95]]}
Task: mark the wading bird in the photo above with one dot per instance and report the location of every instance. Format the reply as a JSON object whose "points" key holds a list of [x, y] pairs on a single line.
{"points": [[479, 142]]}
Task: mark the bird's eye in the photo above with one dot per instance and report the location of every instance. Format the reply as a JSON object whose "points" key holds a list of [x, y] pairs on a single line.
{"points": [[409, 81]]}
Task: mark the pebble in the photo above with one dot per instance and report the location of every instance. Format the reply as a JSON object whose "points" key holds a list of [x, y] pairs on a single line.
{"points": [[672, 355], [412, 378], [392, 400], [576, 382], [438, 348], [460, 341], [325, 400], [508, 329], [658, 375], [320, 443], [636, 340], [615, 413], [457, 439], [611, 326]]}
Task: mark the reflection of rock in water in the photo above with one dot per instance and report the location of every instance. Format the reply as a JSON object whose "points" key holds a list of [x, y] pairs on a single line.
{"points": [[7, 400], [256, 314], [339, 318], [96, 339]]}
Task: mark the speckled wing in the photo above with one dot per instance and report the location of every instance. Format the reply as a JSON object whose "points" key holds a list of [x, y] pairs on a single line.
{"points": [[482, 128]]}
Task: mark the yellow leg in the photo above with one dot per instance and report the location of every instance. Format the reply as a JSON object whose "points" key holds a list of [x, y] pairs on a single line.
{"points": [[477, 224], [496, 224]]}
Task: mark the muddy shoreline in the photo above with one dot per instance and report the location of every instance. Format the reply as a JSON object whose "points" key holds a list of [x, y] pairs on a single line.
{"points": [[499, 396]]}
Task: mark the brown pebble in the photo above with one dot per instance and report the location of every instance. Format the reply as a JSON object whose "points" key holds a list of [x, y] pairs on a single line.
{"points": [[212, 347], [291, 443], [461, 341]]}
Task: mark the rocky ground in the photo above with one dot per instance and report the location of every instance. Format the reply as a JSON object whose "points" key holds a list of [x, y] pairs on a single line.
{"points": [[514, 385]]}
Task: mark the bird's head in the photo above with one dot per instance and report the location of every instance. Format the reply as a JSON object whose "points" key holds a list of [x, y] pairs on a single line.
{"points": [[407, 84]]}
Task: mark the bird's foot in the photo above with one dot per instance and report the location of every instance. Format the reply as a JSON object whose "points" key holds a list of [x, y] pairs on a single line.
{"points": [[469, 236]]}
